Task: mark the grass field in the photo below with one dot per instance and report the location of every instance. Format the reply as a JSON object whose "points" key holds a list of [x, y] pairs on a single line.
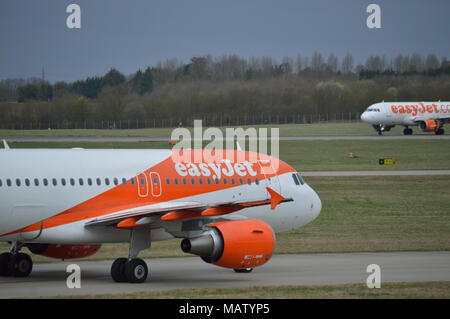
{"points": [[319, 155], [360, 214], [435, 290], [317, 129]]}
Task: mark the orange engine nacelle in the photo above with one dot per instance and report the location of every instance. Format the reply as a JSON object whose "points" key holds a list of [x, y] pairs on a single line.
{"points": [[429, 125], [63, 251], [234, 244]]}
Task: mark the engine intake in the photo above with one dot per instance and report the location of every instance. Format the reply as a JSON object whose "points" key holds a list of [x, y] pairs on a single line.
{"points": [[234, 244], [429, 125]]}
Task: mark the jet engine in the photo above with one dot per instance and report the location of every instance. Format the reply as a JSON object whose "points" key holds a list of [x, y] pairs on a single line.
{"points": [[429, 125], [63, 251], [233, 244]]}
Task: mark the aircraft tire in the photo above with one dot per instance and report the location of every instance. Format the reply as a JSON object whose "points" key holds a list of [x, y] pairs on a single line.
{"points": [[243, 270], [439, 131], [20, 265], [118, 270], [4, 264], [136, 271]]}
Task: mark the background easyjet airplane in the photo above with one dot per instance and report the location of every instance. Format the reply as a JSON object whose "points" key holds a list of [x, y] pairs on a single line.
{"points": [[429, 116], [65, 203]]}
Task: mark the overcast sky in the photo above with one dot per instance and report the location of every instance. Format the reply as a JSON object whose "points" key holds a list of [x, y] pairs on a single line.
{"points": [[133, 34]]}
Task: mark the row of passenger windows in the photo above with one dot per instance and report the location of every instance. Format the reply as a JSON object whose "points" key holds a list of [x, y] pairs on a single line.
{"points": [[99, 181], [64, 182], [209, 181]]}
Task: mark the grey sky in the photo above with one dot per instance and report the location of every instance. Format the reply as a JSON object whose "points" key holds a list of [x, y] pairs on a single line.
{"points": [[133, 34]]}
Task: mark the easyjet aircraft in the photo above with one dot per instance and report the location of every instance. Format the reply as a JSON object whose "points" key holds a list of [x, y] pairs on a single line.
{"points": [[64, 203], [429, 116]]}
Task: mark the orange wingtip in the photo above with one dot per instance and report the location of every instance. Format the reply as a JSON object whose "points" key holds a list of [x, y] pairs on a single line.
{"points": [[275, 198]]}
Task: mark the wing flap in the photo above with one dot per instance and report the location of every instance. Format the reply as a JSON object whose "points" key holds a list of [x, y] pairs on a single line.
{"points": [[172, 211]]}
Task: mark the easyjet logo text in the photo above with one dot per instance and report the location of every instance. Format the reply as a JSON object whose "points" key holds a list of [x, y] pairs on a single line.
{"points": [[216, 170], [422, 108]]}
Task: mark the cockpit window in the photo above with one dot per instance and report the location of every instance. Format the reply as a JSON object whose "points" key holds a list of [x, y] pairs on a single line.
{"points": [[300, 179], [294, 177]]}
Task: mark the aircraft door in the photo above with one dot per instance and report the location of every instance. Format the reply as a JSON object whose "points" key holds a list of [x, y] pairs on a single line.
{"points": [[142, 185], [155, 182]]}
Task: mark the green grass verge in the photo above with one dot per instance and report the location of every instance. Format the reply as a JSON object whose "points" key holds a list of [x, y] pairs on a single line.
{"points": [[418, 290], [319, 155]]}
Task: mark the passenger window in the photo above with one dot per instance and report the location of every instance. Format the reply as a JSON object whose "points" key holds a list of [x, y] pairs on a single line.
{"points": [[217, 181], [18, 181], [8, 182], [1, 183], [99, 181], [233, 181], [175, 180], [89, 181], [256, 181], [241, 181], [63, 181], [72, 182], [208, 180], [155, 181], [116, 181], [168, 181], [142, 181], [192, 181], [36, 182], [225, 181], [249, 181], [45, 181], [27, 182], [106, 181], [124, 181], [133, 182], [184, 181], [200, 181], [81, 181], [55, 182]]}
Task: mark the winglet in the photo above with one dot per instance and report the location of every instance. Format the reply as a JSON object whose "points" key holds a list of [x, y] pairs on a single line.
{"points": [[5, 145], [275, 198]]}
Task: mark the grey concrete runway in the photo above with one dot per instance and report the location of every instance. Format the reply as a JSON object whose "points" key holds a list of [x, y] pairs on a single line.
{"points": [[378, 173], [49, 279], [166, 139]]}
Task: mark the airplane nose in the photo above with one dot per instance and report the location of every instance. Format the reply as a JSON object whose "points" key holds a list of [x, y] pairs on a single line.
{"points": [[364, 116], [316, 205]]}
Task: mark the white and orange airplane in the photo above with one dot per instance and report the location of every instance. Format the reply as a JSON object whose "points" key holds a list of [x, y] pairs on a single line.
{"points": [[429, 116], [65, 203]]}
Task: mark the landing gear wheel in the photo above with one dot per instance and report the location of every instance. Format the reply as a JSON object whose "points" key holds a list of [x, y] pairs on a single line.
{"points": [[118, 270], [407, 131], [439, 131], [4, 262], [20, 265], [136, 270], [243, 270]]}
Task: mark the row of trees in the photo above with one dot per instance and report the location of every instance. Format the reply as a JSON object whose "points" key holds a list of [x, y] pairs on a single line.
{"points": [[227, 86]]}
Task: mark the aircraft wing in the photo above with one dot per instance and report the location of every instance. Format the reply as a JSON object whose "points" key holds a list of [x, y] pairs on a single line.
{"points": [[170, 211]]}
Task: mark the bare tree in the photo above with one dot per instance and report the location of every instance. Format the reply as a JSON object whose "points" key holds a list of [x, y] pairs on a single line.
{"points": [[332, 62], [347, 63]]}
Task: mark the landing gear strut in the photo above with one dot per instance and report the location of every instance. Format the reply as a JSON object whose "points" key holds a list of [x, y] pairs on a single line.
{"points": [[15, 263], [132, 269]]}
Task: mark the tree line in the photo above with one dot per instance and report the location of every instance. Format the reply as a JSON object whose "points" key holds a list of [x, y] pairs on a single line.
{"points": [[225, 86]]}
